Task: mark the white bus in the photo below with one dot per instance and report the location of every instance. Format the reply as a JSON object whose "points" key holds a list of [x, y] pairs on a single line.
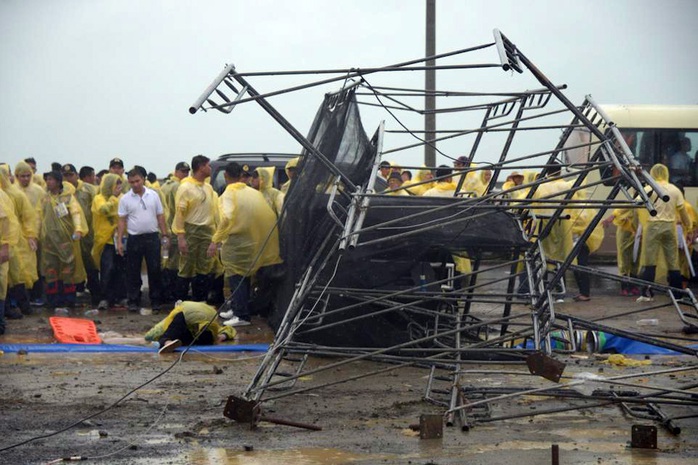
{"points": [[666, 134]]}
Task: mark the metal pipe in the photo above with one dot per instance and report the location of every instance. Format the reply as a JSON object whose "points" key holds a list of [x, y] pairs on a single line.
{"points": [[209, 90]]}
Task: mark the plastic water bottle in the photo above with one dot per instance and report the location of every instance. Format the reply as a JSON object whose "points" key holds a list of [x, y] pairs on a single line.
{"points": [[165, 248], [91, 312], [647, 322]]}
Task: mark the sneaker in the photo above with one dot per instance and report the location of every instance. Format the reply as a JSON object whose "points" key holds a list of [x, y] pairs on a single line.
{"points": [[624, 292], [13, 313], [559, 301], [235, 321], [643, 298], [37, 303], [103, 305], [134, 308], [170, 346], [635, 291], [122, 303], [156, 306], [226, 315]]}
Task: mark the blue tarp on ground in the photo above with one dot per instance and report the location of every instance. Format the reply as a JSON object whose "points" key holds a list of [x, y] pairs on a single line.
{"points": [[103, 348]]}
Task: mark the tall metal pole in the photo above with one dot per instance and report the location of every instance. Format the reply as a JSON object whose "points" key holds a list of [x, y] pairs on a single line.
{"points": [[430, 87]]}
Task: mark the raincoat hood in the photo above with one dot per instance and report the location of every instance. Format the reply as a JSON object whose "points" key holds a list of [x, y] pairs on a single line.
{"points": [[23, 167], [660, 172], [266, 177], [4, 176], [292, 163], [106, 187]]}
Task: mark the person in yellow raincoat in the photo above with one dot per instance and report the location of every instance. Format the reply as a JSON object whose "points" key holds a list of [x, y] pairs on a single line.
{"points": [[61, 229], [105, 219], [84, 194], [421, 183], [659, 235], [9, 235], [23, 272], [484, 176], [24, 176], [291, 169], [249, 240], [513, 180], [187, 321], [444, 185], [394, 183], [194, 222], [690, 232], [262, 180], [472, 183], [36, 177], [170, 266], [626, 222], [559, 242], [581, 219]]}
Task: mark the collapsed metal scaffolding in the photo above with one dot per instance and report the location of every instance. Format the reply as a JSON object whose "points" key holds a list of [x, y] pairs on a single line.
{"points": [[373, 277]]}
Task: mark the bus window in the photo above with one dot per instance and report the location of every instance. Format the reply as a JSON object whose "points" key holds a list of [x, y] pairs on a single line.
{"points": [[670, 147]]}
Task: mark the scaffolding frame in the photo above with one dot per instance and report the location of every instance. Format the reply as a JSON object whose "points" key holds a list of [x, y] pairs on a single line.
{"points": [[485, 320]]}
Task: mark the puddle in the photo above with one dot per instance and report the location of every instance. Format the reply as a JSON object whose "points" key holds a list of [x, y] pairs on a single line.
{"points": [[219, 456]]}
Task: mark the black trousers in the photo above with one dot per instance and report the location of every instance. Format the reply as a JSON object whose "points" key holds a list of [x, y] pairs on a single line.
{"points": [[178, 330], [583, 279], [139, 247], [112, 275]]}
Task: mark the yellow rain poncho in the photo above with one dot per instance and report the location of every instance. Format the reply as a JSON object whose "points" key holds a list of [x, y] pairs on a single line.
{"points": [[292, 163], [689, 233], [169, 192], [421, 176], [196, 216], [441, 189], [38, 179], [484, 177], [197, 315], [23, 259], [659, 239], [105, 215], [626, 221], [85, 194], [33, 191], [246, 221], [9, 235], [581, 218], [558, 244], [274, 197], [60, 254], [472, 184]]}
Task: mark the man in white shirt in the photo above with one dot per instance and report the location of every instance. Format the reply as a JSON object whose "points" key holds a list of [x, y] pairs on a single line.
{"points": [[141, 215]]}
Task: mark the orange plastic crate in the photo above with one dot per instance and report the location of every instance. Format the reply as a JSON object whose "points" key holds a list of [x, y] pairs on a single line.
{"points": [[74, 330]]}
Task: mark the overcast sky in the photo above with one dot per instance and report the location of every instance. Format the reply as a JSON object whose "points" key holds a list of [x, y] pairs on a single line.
{"points": [[86, 80]]}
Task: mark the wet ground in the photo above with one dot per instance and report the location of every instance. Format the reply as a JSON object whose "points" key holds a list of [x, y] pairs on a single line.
{"points": [[178, 417]]}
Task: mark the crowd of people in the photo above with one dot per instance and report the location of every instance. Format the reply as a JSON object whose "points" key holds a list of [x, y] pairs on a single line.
{"points": [[647, 246], [71, 231]]}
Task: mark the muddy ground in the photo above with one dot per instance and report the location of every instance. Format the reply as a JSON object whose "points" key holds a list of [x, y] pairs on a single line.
{"points": [[178, 418]]}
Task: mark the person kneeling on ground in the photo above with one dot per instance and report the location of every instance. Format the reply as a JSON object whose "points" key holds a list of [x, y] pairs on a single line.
{"points": [[184, 322]]}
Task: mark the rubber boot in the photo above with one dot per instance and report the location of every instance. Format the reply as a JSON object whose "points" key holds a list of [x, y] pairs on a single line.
{"points": [[21, 296]]}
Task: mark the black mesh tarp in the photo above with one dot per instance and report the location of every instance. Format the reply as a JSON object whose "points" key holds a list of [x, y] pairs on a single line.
{"points": [[427, 229]]}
